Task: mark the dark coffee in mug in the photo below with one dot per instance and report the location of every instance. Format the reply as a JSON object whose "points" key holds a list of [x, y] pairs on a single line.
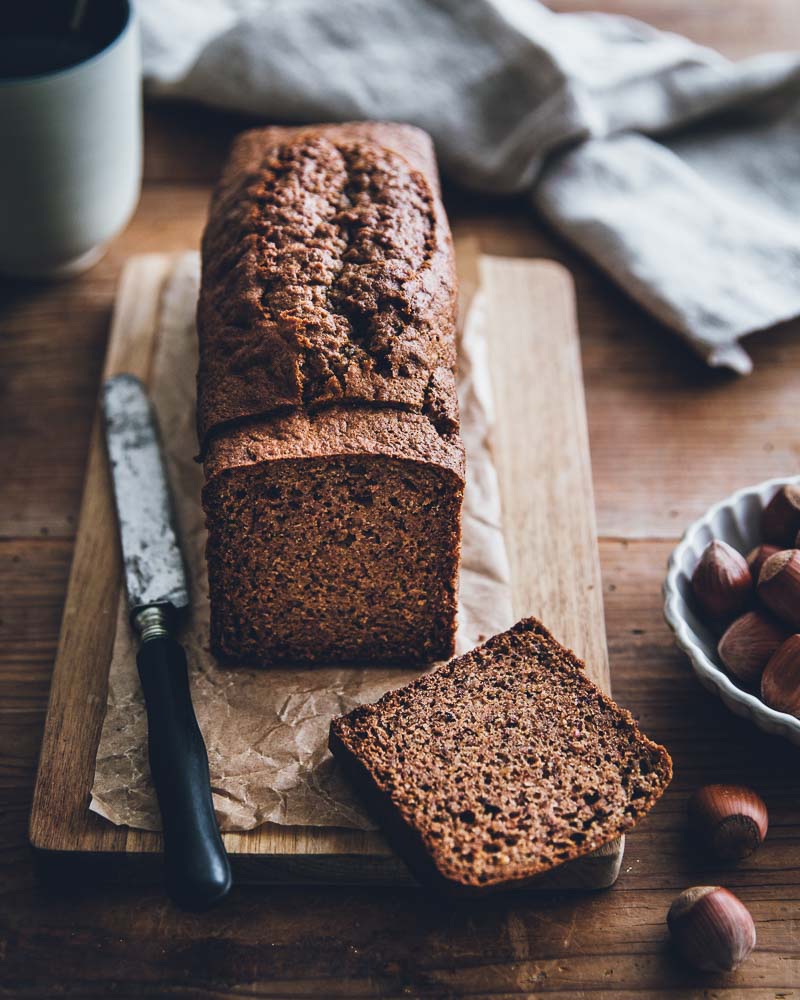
{"points": [[38, 38], [70, 132], [32, 55]]}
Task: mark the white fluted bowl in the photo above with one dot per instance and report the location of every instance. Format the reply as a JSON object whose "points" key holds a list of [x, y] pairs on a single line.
{"points": [[735, 520]]}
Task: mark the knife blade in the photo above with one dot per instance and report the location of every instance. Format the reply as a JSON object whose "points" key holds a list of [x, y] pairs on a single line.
{"points": [[154, 570], [197, 868]]}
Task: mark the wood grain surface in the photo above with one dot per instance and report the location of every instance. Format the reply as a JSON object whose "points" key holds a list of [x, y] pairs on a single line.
{"points": [[543, 403], [668, 438]]}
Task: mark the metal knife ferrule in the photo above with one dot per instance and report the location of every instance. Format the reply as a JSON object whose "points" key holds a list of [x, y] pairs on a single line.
{"points": [[151, 623]]}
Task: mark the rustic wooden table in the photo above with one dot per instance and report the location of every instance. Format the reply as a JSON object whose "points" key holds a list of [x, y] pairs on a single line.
{"points": [[668, 437]]}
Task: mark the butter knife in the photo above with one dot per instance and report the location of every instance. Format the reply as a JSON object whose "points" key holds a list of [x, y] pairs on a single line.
{"points": [[197, 868]]}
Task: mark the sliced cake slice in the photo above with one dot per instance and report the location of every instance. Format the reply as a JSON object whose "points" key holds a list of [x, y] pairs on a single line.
{"points": [[501, 764]]}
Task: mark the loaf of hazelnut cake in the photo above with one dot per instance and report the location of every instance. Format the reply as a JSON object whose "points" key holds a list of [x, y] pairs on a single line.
{"points": [[326, 403]]}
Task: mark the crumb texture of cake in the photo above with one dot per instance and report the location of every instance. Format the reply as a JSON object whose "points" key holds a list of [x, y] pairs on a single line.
{"points": [[501, 764], [327, 411], [334, 537]]}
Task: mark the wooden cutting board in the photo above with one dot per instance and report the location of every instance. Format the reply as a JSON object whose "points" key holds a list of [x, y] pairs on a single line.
{"points": [[542, 453]]}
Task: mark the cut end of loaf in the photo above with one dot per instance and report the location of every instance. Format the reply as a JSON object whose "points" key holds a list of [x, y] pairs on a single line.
{"points": [[501, 765], [349, 558]]}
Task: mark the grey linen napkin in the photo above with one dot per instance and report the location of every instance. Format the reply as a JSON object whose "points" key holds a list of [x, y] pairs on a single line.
{"points": [[674, 169]]}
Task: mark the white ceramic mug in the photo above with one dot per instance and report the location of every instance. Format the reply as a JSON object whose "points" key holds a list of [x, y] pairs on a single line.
{"points": [[70, 146]]}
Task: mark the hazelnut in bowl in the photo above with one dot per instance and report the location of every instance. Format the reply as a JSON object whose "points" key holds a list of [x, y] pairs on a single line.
{"points": [[732, 600]]}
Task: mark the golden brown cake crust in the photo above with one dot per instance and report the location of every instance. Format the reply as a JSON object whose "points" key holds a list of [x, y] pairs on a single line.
{"points": [[328, 277], [339, 430]]}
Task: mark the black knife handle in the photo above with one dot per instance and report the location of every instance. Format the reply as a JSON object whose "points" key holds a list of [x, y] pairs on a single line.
{"points": [[198, 872]]}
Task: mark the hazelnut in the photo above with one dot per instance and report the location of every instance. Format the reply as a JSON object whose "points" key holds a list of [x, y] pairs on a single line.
{"points": [[722, 582], [730, 821], [711, 928], [780, 682], [748, 643], [780, 519], [758, 556], [779, 586]]}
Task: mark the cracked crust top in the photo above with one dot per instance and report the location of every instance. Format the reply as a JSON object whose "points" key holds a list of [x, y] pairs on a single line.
{"points": [[328, 278]]}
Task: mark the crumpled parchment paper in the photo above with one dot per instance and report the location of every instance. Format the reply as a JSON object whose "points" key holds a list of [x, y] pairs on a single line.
{"points": [[266, 731]]}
